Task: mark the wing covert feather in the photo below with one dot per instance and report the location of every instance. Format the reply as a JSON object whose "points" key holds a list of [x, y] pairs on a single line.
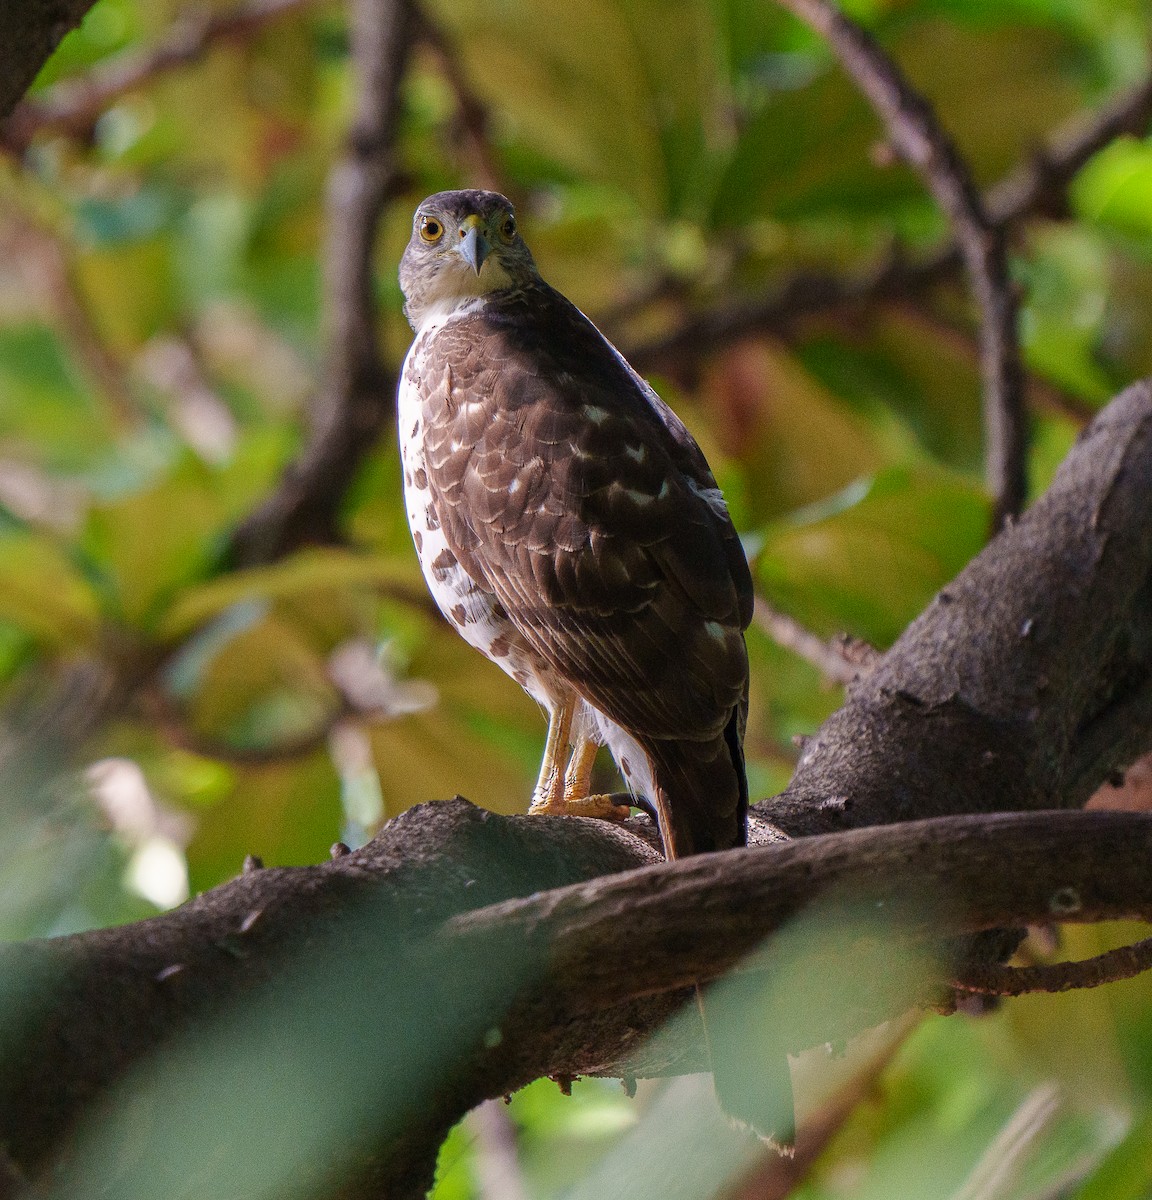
{"points": [[570, 492]]}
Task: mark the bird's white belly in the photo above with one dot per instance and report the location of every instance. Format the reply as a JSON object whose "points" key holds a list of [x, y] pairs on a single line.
{"points": [[472, 611]]}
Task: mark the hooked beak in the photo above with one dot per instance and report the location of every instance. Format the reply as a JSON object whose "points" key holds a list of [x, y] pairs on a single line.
{"points": [[473, 247]]}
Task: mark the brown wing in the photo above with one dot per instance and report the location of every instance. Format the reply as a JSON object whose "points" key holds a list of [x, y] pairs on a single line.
{"points": [[582, 504]]}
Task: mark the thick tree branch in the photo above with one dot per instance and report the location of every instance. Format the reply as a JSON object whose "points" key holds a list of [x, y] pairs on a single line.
{"points": [[471, 953], [29, 32], [357, 394], [1037, 677], [918, 137], [582, 970], [73, 105]]}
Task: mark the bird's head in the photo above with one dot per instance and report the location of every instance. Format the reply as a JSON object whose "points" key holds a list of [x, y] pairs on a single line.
{"points": [[463, 246]]}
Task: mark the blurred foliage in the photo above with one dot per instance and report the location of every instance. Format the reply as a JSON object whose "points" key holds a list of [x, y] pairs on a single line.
{"points": [[160, 336]]}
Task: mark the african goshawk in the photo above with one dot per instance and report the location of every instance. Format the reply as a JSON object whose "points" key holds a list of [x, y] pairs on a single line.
{"points": [[570, 529]]}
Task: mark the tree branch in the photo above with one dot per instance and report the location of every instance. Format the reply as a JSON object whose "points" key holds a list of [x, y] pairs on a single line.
{"points": [[1037, 186], [841, 660], [995, 979], [471, 110], [74, 105], [581, 971], [917, 136], [29, 32], [1033, 668], [472, 953], [357, 396]]}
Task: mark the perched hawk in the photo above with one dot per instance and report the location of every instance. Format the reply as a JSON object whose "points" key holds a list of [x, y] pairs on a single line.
{"points": [[569, 527]]}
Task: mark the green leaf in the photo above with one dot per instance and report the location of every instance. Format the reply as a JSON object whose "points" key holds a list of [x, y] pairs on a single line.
{"points": [[795, 439], [872, 566], [1115, 188], [44, 594], [618, 91], [305, 573], [288, 813]]}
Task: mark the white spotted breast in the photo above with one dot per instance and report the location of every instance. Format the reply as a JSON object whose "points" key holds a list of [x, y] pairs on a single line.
{"points": [[472, 610]]}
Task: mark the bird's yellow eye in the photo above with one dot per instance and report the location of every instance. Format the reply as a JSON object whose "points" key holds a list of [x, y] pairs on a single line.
{"points": [[431, 230], [508, 228]]}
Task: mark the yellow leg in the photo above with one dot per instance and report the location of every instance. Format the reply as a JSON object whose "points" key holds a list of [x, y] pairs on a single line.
{"points": [[578, 777], [548, 796], [567, 792], [578, 783]]}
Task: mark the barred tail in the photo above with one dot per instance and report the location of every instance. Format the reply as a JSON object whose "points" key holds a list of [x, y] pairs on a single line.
{"points": [[701, 792]]}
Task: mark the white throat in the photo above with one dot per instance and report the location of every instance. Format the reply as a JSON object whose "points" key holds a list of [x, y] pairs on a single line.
{"points": [[455, 292], [446, 308]]}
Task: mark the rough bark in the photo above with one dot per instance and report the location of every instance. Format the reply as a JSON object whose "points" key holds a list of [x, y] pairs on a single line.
{"points": [[507, 948], [1027, 678]]}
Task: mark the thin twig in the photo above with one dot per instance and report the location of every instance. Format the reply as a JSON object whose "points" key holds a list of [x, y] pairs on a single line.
{"points": [[357, 395], [840, 661], [73, 105], [475, 120], [917, 136], [1040, 184], [995, 979]]}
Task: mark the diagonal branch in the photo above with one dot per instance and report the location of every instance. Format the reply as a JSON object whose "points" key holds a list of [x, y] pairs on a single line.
{"points": [[73, 105], [918, 137], [473, 114], [1040, 184], [356, 396], [840, 661], [1037, 675], [29, 32]]}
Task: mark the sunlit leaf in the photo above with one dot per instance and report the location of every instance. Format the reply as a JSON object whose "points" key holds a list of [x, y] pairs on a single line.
{"points": [[871, 566]]}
